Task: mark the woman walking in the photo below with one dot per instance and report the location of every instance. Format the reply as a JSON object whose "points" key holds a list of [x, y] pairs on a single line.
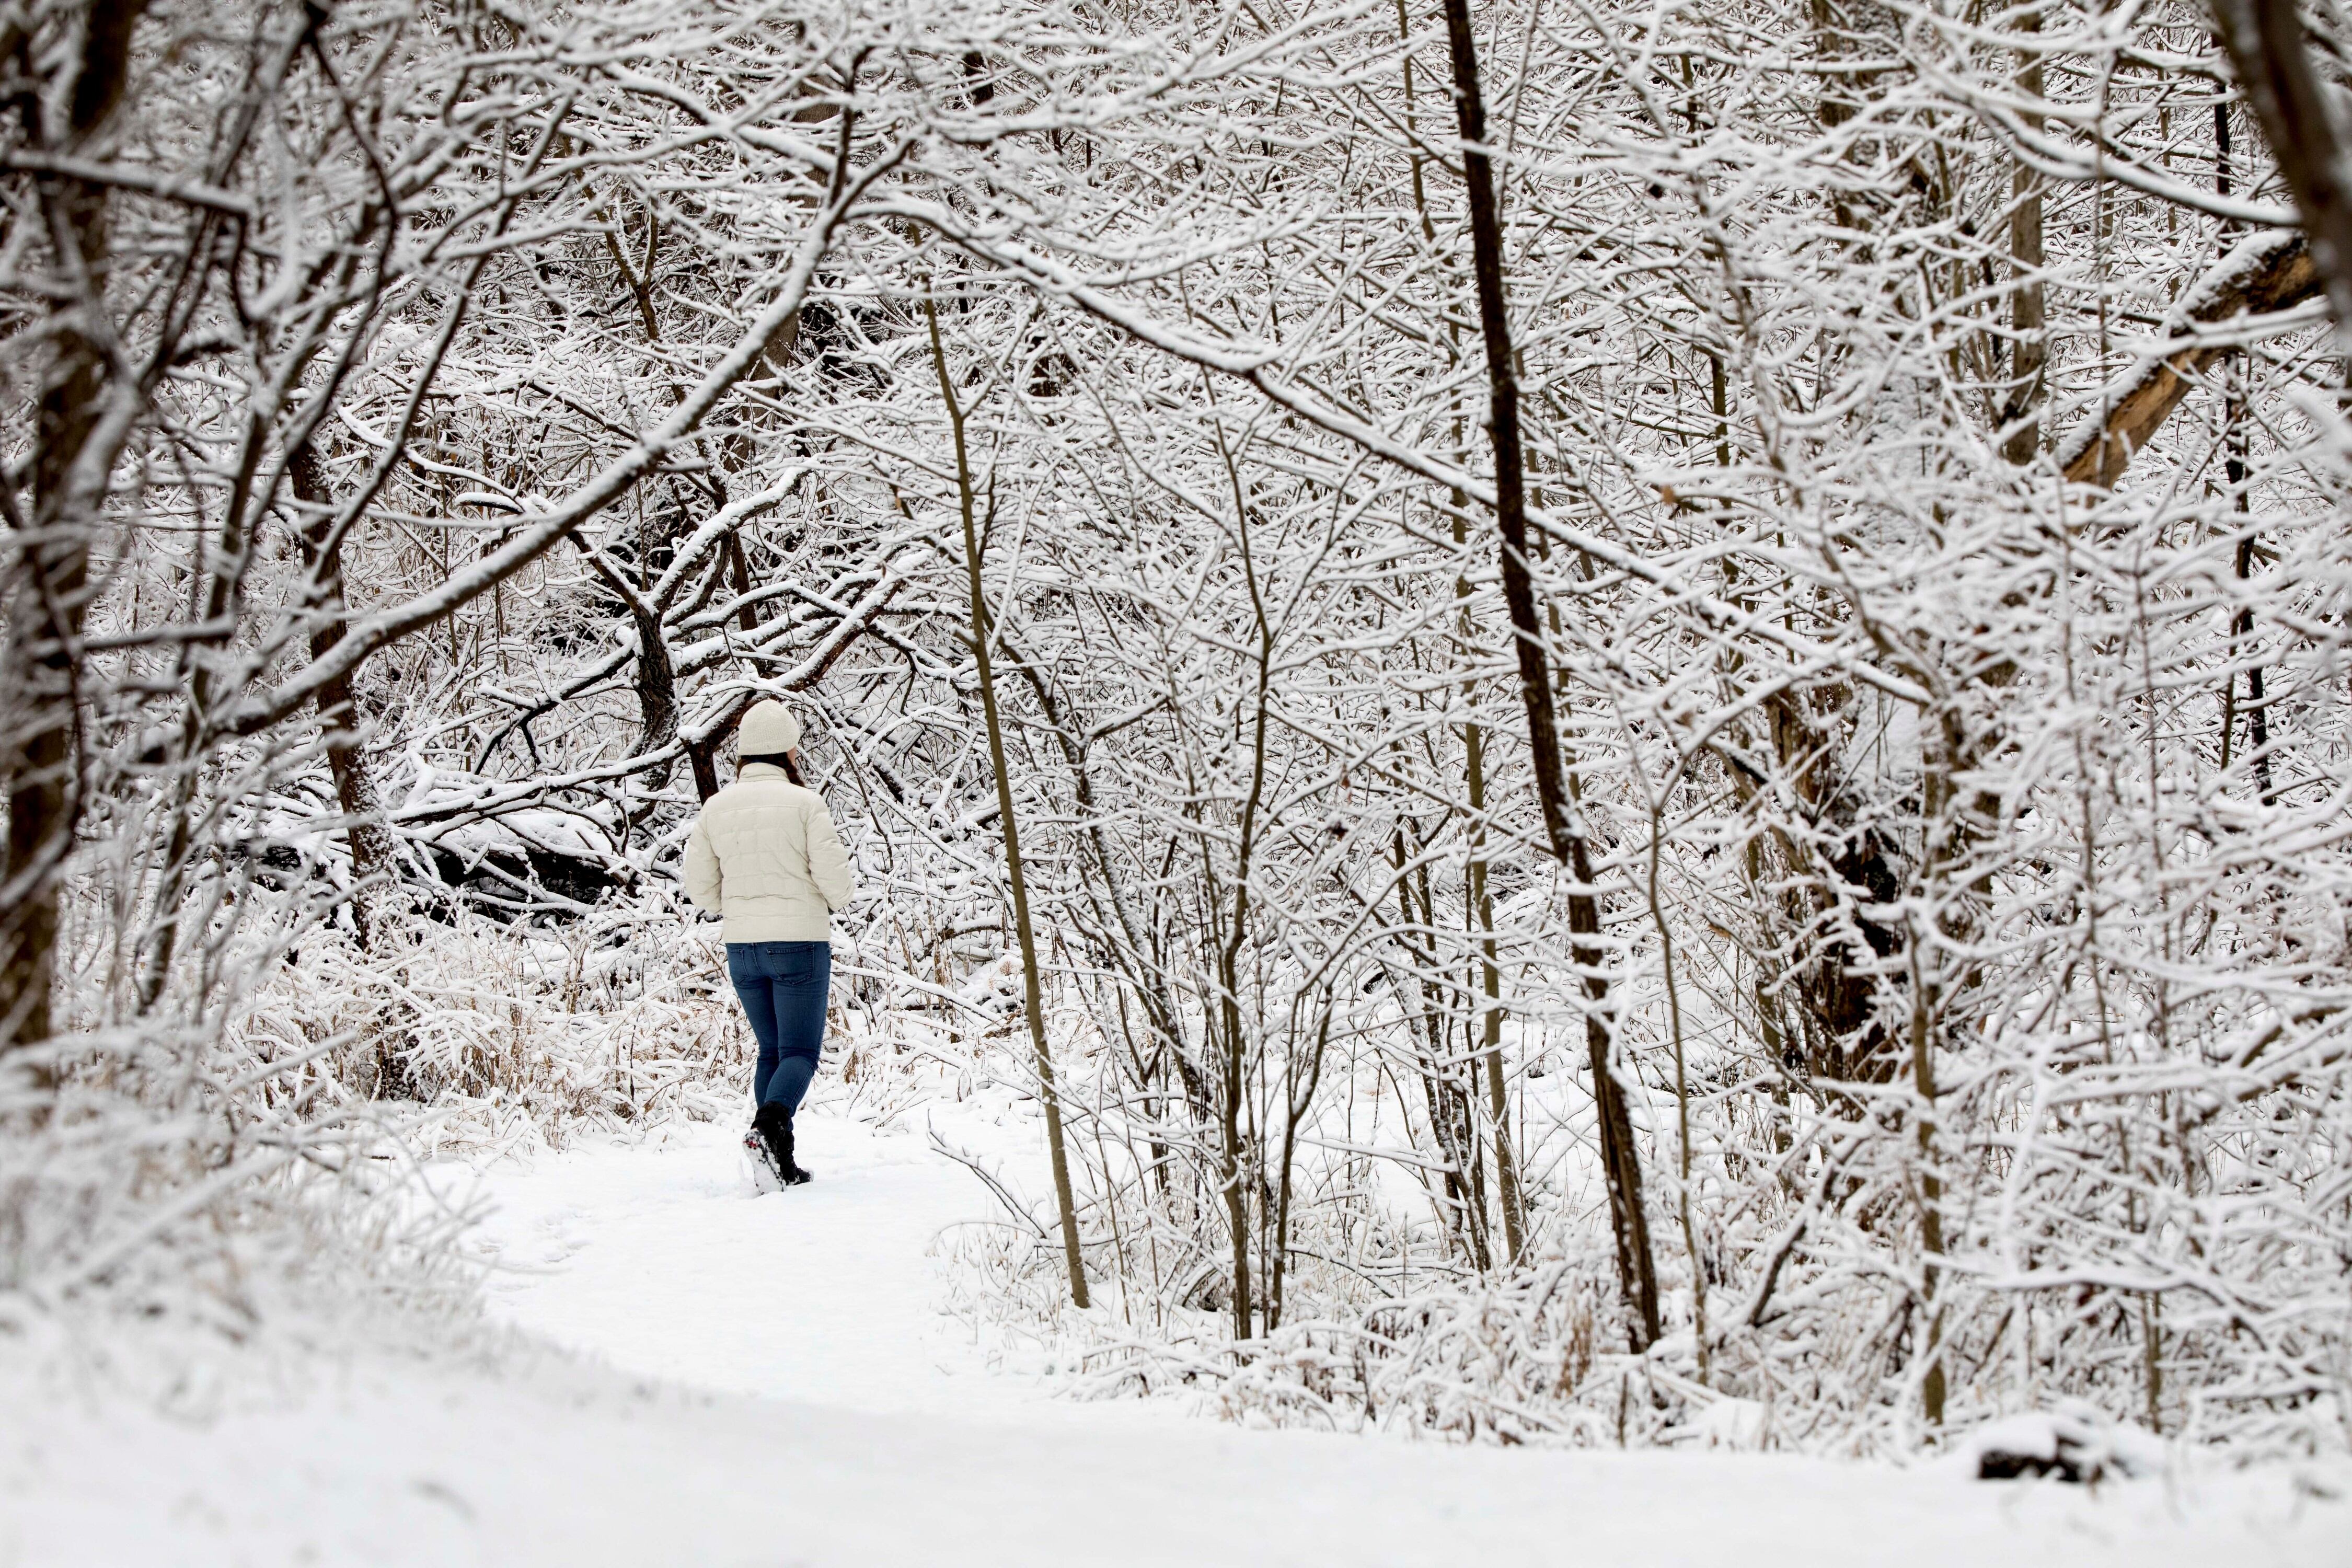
{"points": [[763, 855]]}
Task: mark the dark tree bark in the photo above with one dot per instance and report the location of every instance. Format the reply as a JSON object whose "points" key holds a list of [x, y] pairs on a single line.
{"points": [[2272, 57], [1621, 1161], [2029, 353], [50, 571], [657, 675], [356, 791]]}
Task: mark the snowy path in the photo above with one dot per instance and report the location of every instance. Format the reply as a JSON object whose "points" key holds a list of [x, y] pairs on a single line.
{"points": [[790, 1396], [654, 1258]]}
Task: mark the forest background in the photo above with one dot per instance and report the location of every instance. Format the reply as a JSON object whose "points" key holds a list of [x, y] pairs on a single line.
{"points": [[1616, 705]]}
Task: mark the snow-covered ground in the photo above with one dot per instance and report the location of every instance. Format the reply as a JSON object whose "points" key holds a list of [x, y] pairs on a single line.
{"points": [[769, 1381], [652, 1257]]}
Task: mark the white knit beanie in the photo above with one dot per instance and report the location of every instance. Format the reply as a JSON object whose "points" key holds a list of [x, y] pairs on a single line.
{"points": [[768, 728]]}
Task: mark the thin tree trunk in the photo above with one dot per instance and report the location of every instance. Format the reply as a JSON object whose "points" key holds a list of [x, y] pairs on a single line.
{"points": [[1482, 905], [1032, 994], [1229, 951], [2242, 626], [1451, 1093], [1621, 1161], [1230, 1175], [2028, 351], [356, 791], [1129, 955], [2233, 438], [50, 574], [1637, 1273], [1448, 1106], [1482, 899], [1931, 1186], [1503, 386]]}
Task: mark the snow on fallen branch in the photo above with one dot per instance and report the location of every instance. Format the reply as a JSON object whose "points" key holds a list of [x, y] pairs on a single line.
{"points": [[2253, 290]]}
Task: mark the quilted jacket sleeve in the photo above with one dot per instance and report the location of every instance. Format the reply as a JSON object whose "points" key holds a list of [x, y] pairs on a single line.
{"points": [[702, 869], [828, 867]]}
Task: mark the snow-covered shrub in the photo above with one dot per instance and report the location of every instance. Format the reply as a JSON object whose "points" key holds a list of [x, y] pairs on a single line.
{"points": [[210, 1171], [509, 1030]]}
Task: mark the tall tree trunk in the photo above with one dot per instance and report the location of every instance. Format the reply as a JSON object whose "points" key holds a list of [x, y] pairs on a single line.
{"points": [[1233, 1174], [49, 575], [1032, 994], [1482, 909], [1621, 1161], [2029, 353], [1448, 1106], [2234, 439], [1482, 902]]}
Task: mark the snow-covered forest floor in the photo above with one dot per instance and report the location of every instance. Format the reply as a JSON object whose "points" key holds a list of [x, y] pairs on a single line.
{"points": [[689, 1374], [648, 1254]]}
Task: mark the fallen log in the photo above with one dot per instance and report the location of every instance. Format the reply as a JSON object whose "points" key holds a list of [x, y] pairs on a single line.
{"points": [[2265, 274]]}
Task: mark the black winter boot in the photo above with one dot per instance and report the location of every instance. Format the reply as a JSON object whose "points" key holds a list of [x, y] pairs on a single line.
{"points": [[766, 1176], [775, 1126]]}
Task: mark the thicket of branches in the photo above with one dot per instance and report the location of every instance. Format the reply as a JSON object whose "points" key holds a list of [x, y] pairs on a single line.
{"points": [[1670, 680]]}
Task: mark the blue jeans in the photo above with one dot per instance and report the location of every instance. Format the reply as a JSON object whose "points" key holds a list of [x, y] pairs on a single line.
{"points": [[781, 985]]}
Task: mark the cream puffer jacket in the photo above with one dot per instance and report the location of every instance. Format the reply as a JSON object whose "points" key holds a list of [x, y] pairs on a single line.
{"points": [[764, 855]]}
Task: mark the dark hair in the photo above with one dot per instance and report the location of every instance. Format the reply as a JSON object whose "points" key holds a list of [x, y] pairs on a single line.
{"points": [[775, 760]]}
